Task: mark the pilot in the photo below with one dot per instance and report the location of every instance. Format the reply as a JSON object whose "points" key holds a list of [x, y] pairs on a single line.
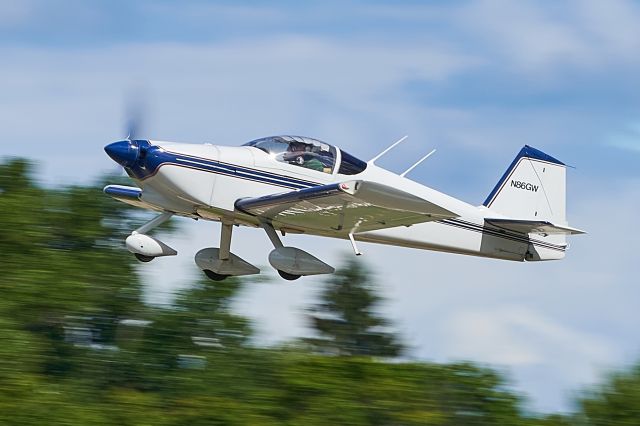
{"points": [[302, 156]]}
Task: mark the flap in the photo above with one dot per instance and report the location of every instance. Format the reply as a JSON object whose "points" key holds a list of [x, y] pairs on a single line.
{"points": [[343, 208], [540, 227]]}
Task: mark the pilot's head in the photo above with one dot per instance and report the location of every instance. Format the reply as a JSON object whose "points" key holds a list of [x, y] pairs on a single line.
{"points": [[297, 147]]}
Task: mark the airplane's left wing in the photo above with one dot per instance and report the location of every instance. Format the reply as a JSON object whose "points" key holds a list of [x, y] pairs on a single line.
{"points": [[343, 208]]}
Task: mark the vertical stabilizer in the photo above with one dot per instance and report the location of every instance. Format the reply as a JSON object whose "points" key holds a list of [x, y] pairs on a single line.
{"points": [[533, 187]]}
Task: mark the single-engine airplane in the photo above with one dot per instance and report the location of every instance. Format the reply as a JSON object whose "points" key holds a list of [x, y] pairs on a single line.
{"points": [[300, 185]]}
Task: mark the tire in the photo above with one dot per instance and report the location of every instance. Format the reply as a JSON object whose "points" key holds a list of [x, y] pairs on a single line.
{"points": [[288, 277], [143, 258], [213, 276]]}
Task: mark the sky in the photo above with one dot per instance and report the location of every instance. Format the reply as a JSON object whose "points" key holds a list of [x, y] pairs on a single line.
{"points": [[474, 79]]}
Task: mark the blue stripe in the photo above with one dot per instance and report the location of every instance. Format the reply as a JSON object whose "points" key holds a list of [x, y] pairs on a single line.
{"points": [[264, 174], [237, 168], [215, 168], [526, 152], [501, 234], [156, 157]]}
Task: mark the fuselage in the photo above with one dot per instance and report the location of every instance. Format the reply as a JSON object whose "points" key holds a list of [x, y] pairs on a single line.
{"points": [[205, 181]]}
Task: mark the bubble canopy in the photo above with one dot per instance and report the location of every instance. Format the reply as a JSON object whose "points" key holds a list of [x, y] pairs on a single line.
{"points": [[308, 153]]}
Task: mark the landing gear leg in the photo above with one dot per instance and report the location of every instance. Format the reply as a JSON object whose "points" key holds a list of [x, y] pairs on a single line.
{"points": [[272, 234], [277, 243], [225, 240], [153, 223], [224, 252]]}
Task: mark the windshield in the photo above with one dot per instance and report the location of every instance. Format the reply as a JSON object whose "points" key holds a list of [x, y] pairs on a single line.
{"points": [[350, 165], [299, 151]]}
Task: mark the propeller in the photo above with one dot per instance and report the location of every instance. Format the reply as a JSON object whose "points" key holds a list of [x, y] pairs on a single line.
{"points": [[134, 117], [127, 151]]}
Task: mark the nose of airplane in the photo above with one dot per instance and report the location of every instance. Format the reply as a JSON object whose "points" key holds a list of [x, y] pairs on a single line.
{"points": [[124, 153]]}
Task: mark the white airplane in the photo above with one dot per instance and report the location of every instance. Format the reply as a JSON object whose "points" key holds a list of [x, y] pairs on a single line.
{"points": [[300, 185]]}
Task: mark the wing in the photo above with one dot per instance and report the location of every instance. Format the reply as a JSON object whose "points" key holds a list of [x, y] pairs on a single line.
{"points": [[343, 208], [149, 200], [127, 194], [540, 227]]}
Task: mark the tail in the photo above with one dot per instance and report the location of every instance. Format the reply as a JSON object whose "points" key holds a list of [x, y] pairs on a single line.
{"points": [[533, 187], [532, 196]]}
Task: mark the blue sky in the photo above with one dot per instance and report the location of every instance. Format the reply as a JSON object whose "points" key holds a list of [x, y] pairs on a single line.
{"points": [[474, 79]]}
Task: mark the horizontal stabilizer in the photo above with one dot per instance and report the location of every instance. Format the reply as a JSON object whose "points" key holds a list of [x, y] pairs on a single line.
{"points": [[343, 208], [540, 227]]}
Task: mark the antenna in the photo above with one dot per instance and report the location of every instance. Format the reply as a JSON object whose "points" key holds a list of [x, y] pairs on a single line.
{"points": [[388, 149], [417, 163]]}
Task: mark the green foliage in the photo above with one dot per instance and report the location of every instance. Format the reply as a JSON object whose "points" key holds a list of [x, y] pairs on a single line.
{"points": [[355, 390], [346, 320], [63, 271], [616, 402]]}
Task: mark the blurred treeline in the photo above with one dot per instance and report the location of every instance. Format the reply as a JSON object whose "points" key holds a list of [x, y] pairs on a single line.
{"points": [[78, 346]]}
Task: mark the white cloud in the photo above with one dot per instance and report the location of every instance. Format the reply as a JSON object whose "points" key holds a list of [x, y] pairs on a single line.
{"points": [[514, 336], [627, 138], [227, 93], [613, 25], [14, 13], [211, 14], [533, 37], [525, 33]]}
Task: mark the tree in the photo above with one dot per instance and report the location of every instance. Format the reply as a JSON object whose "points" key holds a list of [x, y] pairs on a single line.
{"points": [[346, 320], [200, 322], [64, 276], [616, 402]]}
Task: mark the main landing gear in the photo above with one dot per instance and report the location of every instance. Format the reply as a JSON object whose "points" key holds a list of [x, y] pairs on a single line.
{"points": [[290, 262], [220, 263]]}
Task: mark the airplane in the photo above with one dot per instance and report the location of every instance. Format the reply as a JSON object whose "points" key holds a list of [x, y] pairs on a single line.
{"points": [[301, 185]]}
